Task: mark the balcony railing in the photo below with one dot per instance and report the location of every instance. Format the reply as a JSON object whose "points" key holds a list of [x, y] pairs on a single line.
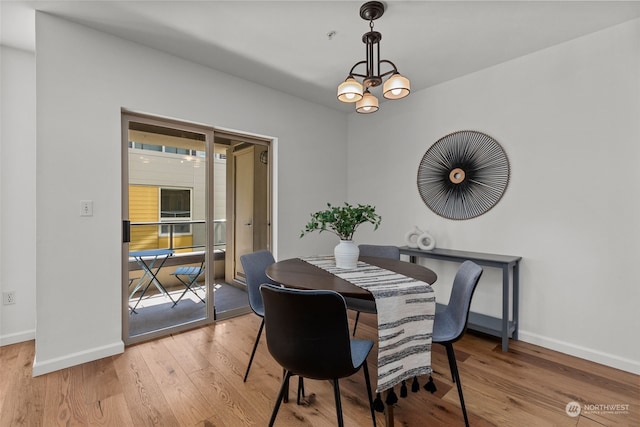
{"points": [[196, 232]]}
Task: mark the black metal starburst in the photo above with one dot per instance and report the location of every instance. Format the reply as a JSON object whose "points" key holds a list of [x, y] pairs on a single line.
{"points": [[463, 175]]}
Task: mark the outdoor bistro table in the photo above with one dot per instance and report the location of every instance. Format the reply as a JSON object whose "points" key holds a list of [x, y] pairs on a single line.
{"points": [[150, 262], [300, 274]]}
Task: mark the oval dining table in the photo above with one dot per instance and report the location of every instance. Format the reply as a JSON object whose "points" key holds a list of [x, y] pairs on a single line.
{"points": [[299, 274], [296, 273]]}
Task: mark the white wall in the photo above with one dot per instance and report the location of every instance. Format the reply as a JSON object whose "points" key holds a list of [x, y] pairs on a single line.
{"points": [[17, 194], [84, 78], [568, 118]]}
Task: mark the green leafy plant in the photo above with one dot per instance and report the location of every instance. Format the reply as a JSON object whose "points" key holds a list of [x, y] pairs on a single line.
{"points": [[342, 221]]}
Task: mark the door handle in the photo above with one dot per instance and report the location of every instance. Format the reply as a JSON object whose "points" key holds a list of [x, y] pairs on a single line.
{"points": [[248, 224], [126, 231]]}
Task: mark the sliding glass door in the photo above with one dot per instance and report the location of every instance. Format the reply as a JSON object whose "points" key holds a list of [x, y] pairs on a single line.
{"points": [[194, 199], [171, 239]]}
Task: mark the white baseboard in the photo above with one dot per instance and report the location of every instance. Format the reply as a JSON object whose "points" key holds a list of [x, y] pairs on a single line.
{"points": [[68, 360], [628, 365], [17, 337]]}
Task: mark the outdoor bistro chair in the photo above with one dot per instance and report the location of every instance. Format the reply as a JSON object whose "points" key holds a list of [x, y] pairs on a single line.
{"points": [[189, 276], [368, 306], [308, 335]]}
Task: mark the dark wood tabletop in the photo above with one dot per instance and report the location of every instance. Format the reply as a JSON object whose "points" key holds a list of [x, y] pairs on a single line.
{"points": [[296, 273]]}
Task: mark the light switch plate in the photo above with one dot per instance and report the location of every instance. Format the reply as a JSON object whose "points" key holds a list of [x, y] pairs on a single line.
{"points": [[86, 207]]}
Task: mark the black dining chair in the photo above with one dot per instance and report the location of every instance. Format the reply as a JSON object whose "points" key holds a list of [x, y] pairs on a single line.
{"points": [[254, 266], [450, 324], [367, 306], [308, 335]]}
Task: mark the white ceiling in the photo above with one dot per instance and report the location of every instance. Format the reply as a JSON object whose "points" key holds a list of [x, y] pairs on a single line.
{"points": [[284, 44]]}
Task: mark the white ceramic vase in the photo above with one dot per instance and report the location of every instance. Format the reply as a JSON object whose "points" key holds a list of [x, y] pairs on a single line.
{"points": [[346, 253], [426, 242], [411, 238]]}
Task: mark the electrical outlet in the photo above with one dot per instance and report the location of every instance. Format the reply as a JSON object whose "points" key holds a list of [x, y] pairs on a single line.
{"points": [[9, 297]]}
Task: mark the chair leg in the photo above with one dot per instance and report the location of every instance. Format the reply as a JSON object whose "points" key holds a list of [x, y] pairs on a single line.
{"points": [[283, 388], [285, 398], [367, 380], [451, 364], [253, 353], [300, 388], [336, 392], [355, 325], [456, 378], [188, 287]]}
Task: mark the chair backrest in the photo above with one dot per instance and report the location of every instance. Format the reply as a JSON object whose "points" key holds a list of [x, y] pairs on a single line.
{"points": [[464, 285], [381, 251], [201, 266], [308, 331], [254, 266]]}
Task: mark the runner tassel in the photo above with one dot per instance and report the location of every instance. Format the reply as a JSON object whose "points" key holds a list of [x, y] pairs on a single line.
{"points": [[392, 399], [403, 389], [378, 406], [415, 385], [430, 385]]}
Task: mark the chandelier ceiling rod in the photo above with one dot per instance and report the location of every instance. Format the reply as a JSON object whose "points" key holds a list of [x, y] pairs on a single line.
{"points": [[351, 90]]}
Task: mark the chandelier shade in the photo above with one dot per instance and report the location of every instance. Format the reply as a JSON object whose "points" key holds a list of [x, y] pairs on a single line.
{"points": [[350, 90], [396, 85], [368, 103]]}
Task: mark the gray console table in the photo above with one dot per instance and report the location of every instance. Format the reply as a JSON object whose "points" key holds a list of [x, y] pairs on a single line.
{"points": [[508, 325]]}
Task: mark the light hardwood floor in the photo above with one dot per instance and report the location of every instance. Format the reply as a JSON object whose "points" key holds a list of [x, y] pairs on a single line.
{"points": [[195, 379]]}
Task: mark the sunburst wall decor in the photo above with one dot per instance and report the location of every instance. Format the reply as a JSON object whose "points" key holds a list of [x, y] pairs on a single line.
{"points": [[463, 175]]}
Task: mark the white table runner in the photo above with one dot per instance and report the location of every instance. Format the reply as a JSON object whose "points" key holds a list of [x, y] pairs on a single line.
{"points": [[406, 309]]}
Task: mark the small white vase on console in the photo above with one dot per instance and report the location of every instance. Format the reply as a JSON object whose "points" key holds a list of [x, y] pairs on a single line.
{"points": [[426, 242], [418, 238], [346, 254], [411, 238]]}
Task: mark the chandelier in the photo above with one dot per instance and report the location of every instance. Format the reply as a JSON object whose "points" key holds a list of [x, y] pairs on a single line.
{"points": [[395, 87]]}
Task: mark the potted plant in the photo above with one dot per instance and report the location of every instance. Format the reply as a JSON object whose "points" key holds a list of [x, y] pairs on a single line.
{"points": [[343, 222]]}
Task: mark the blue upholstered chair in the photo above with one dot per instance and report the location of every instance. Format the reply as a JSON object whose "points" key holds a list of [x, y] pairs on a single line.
{"points": [[254, 266], [450, 324]]}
